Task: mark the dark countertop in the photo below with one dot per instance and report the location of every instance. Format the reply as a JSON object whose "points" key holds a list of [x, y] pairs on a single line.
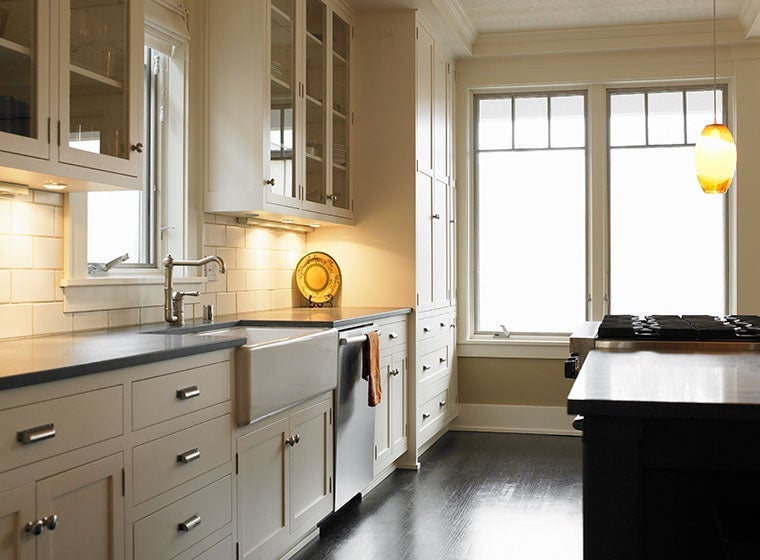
{"points": [[676, 384], [28, 361]]}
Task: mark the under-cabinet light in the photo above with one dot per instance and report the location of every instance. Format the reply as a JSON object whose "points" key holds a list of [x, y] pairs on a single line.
{"points": [[9, 190], [290, 226], [55, 186]]}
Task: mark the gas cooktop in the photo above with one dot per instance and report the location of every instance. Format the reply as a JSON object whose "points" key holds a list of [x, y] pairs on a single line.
{"points": [[684, 328]]}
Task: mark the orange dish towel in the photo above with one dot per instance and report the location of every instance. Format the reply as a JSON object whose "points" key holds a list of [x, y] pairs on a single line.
{"points": [[371, 368]]}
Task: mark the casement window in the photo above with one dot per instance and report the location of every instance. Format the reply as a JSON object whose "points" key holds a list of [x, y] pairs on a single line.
{"points": [[533, 257]]}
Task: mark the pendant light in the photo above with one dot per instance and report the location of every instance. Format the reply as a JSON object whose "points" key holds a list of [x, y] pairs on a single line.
{"points": [[716, 151]]}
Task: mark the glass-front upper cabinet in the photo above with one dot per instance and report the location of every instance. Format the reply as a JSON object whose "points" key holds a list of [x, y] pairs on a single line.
{"points": [[341, 196], [101, 84], [24, 71], [282, 79], [316, 102]]}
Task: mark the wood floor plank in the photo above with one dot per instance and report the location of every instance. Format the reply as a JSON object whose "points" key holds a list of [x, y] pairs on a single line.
{"points": [[477, 496]]}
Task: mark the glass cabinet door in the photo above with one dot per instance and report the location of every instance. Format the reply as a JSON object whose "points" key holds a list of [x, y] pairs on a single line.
{"points": [[282, 72], [98, 101], [24, 102], [316, 102], [340, 113]]}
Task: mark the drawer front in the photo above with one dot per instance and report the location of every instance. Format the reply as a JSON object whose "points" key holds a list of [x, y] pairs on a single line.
{"points": [[169, 396], [433, 364], [430, 327], [201, 513], [432, 412], [59, 425], [392, 335], [169, 461]]}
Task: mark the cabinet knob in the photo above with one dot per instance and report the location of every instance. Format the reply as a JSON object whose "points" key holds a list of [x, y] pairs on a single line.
{"points": [[270, 182], [138, 147], [392, 335], [333, 197], [425, 367], [442, 360], [425, 329], [443, 325], [436, 216], [442, 404], [394, 372], [34, 527], [189, 524], [291, 441], [425, 415], [51, 522]]}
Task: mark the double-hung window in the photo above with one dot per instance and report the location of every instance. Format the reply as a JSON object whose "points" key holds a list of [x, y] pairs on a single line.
{"points": [[536, 258]]}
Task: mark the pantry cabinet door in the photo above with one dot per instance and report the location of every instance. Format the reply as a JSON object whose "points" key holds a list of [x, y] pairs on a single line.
{"points": [[89, 506], [16, 510], [425, 86]]}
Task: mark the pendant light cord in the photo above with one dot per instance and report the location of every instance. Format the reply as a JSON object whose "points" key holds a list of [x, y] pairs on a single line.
{"points": [[715, 65]]}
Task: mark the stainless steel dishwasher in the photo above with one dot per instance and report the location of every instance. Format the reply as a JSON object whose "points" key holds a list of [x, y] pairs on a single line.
{"points": [[354, 419]]}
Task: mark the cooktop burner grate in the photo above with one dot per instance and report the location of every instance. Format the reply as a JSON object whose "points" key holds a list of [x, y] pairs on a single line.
{"points": [[674, 327]]}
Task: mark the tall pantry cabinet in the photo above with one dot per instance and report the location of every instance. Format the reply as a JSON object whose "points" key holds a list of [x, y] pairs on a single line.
{"points": [[402, 250]]}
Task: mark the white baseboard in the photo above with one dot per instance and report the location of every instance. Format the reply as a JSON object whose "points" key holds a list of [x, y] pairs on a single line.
{"points": [[514, 419]]}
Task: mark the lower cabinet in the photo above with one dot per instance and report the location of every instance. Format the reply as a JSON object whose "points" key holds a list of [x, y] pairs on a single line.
{"points": [[284, 485], [78, 514], [390, 414]]}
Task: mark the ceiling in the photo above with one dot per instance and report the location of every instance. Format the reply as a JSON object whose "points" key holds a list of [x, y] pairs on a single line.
{"points": [[489, 16]]}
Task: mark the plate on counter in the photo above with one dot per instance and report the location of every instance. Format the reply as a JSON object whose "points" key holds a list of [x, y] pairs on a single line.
{"points": [[318, 277]]}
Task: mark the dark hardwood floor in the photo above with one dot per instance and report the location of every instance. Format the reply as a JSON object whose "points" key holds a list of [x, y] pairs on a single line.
{"points": [[477, 496]]}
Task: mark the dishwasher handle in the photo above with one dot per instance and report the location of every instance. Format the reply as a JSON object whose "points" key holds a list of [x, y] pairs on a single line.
{"points": [[352, 339]]}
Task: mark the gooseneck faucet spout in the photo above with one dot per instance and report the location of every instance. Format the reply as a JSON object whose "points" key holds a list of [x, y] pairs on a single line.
{"points": [[174, 311]]}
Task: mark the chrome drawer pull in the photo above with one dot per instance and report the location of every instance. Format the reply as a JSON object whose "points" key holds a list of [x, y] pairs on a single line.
{"points": [[38, 433], [188, 392], [425, 368], [442, 360], [442, 404], [189, 524], [392, 335], [425, 415], [394, 371], [189, 456]]}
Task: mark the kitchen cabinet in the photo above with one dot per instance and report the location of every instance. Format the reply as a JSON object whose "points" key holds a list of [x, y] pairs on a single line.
{"points": [[71, 93], [284, 478], [278, 100]]}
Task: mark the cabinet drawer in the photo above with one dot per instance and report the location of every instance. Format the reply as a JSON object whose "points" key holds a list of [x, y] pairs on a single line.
{"points": [[430, 327], [432, 412], [169, 461], [61, 424], [157, 399], [392, 335], [433, 364], [159, 535]]}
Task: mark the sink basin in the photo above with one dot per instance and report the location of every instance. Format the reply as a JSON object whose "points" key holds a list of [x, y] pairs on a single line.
{"points": [[279, 367]]}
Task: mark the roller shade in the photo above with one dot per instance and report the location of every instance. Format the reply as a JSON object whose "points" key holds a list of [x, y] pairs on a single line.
{"points": [[165, 25]]}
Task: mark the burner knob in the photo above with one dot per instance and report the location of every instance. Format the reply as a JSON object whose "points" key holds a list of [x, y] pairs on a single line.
{"points": [[572, 366]]}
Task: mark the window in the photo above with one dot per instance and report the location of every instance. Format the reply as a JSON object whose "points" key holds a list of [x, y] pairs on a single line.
{"points": [[530, 183], [652, 243]]}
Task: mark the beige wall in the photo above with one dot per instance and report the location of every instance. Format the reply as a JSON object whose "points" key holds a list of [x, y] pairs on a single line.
{"points": [[577, 61]]}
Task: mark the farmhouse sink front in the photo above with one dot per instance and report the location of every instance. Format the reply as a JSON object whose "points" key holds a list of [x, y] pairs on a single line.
{"points": [[279, 367]]}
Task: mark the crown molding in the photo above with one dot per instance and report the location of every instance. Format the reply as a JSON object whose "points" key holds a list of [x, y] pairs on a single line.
{"points": [[750, 17], [455, 17], [609, 38]]}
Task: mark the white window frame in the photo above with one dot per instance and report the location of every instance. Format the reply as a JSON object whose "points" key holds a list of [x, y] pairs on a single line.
{"points": [[126, 287], [472, 344]]}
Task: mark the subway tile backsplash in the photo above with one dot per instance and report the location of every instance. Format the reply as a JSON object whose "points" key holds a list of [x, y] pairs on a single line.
{"points": [[260, 262]]}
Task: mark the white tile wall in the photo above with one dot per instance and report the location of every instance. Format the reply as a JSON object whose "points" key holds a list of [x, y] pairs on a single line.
{"points": [[260, 262]]}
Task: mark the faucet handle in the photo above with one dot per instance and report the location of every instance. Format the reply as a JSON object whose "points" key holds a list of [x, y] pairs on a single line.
{"points": [[183, 294]]}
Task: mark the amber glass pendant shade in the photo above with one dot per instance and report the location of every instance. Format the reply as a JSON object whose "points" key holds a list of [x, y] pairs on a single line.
{"points": [[715, 159]]}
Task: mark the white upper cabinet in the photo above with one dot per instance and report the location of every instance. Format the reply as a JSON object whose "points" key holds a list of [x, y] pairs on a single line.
{"points": [[278, 110], [71, 93]]}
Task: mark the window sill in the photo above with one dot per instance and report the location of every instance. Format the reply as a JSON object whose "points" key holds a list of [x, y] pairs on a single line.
{"points": [[123, 292], [543, 348]]}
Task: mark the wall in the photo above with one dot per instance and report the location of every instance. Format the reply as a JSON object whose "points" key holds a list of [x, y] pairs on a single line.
{"points": [[260, 262], [577, 58]]}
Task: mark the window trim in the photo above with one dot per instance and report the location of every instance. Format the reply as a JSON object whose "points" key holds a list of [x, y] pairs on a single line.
{"points": [[472, 344]]}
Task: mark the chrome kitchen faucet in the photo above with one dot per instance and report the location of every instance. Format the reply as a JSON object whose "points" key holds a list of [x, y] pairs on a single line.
{"points": [[174, 308]]}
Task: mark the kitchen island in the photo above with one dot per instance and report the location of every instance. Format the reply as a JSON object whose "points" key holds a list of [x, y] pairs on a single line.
{"points": [[671, 461]]}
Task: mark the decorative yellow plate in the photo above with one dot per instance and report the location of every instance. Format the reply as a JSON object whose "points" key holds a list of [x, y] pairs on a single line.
{"points": [[318, 277]]}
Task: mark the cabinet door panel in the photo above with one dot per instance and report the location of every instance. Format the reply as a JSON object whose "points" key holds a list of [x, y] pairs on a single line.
{"points": [[397, 393], [424, 242], [383, 418], [16, 509], [424, 101], [439, 271], [24, 78], [90, 509], [310, 465], [440, 98], [101, 84], [263, 509]]}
